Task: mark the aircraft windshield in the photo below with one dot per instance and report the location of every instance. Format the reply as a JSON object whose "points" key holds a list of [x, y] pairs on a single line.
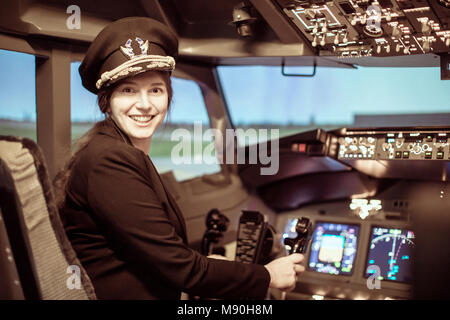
{"points": [[260, 96]]}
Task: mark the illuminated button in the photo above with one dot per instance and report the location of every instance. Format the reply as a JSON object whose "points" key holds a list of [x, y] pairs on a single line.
{"points": [[398, 154], [428, 155], [302, 147], [440, 155], [405, 154], [294, 147]]}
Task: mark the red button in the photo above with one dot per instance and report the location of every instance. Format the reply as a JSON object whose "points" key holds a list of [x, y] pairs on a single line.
{"points": [[302, 147]]}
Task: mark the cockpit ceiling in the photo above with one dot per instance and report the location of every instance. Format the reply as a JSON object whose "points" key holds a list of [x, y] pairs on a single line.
{"points": [[342, 33]]}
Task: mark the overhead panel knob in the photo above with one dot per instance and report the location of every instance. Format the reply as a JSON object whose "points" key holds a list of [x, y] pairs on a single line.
{"points": [[378, 49], [324, 27], [396, 31], [364, 19], [336, 39], [388, 16], [426, 45], [426, 29]]}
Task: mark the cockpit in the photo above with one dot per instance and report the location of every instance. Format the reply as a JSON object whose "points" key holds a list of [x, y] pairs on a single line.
{"points": [[309, 125]]}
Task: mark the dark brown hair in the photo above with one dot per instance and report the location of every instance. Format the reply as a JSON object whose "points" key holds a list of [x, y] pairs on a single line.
{"points": [[60, 182]]}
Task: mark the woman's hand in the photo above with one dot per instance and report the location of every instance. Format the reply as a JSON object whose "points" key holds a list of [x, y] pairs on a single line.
{"points": [[284, 271]]}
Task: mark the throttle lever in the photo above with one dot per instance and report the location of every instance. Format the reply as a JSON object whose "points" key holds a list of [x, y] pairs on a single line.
{"points": [[299, 244]]}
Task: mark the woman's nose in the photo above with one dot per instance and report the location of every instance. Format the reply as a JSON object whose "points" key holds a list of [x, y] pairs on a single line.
{"points": [[144, 102]]}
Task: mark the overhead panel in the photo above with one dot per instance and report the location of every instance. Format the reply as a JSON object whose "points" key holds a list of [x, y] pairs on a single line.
{"points": [[380, 28]]}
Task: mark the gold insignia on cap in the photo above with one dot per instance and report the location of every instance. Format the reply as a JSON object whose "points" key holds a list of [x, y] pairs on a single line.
{"points": [[128, 50]]}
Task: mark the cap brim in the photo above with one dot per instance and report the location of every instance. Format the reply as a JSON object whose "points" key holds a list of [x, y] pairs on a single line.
{"points": [[135, 66]]}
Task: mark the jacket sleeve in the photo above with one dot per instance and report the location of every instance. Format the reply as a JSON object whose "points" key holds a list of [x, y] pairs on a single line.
{"points": [[134, 221]]}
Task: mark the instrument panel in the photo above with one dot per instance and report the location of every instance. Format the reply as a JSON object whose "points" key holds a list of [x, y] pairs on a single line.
{"points": [[354, 258], [400, 145], [361, 28]]}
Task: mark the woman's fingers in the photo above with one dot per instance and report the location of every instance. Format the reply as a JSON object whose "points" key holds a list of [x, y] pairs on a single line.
{"points": [[299, 268], [284, 271], [290, 288], [296, 257]]}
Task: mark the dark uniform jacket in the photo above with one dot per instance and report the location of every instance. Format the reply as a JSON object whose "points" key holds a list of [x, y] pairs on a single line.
{"points": [[130, 235]]}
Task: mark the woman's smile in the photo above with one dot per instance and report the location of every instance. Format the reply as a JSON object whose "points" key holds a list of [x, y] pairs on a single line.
{"points": [[142, 119]]}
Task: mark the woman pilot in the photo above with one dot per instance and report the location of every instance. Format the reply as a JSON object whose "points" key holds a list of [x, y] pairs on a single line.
{"points": [[124, 225]]}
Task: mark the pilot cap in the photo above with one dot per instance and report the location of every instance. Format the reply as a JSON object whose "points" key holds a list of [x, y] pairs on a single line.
{"points": [[125, 48]]}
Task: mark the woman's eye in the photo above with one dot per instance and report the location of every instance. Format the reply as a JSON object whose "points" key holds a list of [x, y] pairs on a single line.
{"points": [[127, 90], [156, 90]]}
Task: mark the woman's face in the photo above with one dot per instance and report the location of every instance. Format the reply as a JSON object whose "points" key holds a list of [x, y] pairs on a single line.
{"points": [[139, 104]]}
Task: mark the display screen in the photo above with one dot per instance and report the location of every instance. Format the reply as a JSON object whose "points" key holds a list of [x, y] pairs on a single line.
{"points": [[390, 250], [333, 248]]}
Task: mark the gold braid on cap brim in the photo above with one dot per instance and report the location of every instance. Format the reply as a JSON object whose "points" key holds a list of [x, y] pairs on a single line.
{"points": [[165, 63]]}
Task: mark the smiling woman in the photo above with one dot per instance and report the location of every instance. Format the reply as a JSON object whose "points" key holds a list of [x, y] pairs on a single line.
{"points": [[124, 225]]}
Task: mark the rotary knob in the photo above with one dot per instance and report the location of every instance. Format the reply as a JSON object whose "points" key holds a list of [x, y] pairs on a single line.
{"points": [[417, 149]]}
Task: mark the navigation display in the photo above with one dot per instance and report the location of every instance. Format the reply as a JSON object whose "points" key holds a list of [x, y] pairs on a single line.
{"points": [[390, 250], [333, 248]]}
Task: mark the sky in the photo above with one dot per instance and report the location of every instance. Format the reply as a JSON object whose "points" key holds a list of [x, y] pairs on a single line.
{"points": [[334, 95], [257, 94]]}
